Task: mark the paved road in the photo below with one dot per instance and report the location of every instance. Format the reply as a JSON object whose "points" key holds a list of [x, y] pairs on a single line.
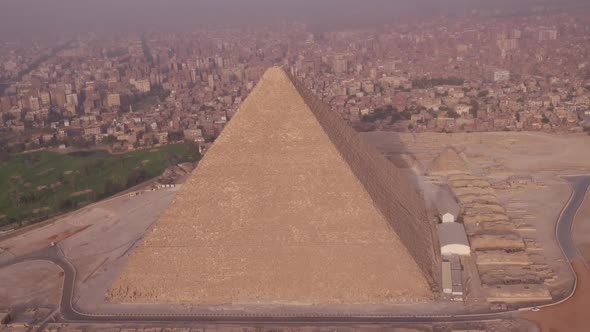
{"points": [[69, 312], [72, 314], [563, 231]]}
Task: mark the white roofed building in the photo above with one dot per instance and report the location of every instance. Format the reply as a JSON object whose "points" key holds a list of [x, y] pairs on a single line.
{"points": [[453, 239], [447, 206], [447, 217]]}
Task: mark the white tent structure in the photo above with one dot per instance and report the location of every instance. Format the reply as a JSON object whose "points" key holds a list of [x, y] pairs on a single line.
{"points": [[453, 239]]}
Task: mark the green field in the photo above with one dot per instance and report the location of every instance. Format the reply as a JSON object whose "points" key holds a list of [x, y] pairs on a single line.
{"points": [[36, 186]]}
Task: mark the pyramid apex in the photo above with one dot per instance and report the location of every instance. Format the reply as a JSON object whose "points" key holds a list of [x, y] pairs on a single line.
{"points": [[276, 69], [275, 73]]}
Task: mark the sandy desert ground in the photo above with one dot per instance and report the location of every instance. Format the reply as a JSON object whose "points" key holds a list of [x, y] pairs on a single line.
{"points": [[95, 239], [494, 153], [98, 239], [545, 158], [581, 229], [496, 157], [570, 315], [33, 284]]}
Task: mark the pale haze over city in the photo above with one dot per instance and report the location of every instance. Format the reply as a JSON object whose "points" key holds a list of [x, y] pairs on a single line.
{"points": [[325, 165], [33, 17]]}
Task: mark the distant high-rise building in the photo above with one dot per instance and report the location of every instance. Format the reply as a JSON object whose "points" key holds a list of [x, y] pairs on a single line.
{"points": [[141, 85], [211, 81], [72, 99], [547, 34], [373, 73], [339, 66], [516, 34], [368, 87], [219, 61], [45, 98], [501, 75], [194, 75], [507, 44], [58, 97], [89, 91], [114, 100], [34, 103]]}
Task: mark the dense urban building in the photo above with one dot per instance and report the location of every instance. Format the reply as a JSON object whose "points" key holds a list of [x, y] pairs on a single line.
{"points": [[467, 74], [425, 172]]}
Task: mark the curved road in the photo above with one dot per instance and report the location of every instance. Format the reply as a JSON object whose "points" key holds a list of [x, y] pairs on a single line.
{"points": [[580, 185]]}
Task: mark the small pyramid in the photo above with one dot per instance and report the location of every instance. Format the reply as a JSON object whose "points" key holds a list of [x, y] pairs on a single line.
{"points": [[288, 206], [449, 161]]}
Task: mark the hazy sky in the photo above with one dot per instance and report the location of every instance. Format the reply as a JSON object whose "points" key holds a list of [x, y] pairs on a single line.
{"points": [[26, 17]]}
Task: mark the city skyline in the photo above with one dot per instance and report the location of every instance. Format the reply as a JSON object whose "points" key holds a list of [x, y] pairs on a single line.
{"points": [[30, 18], [170, 165]]}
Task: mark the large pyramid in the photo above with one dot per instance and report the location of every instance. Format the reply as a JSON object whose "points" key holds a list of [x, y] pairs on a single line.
{"points": [[288, 206]]}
